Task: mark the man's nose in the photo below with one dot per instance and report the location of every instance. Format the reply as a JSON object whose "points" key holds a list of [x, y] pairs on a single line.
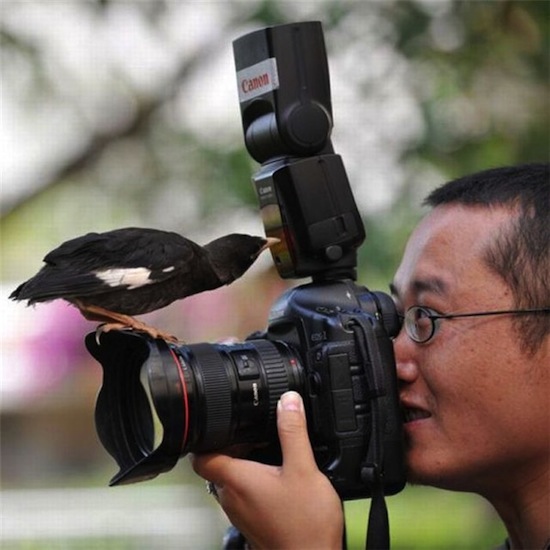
{"points": [[404, 348]]}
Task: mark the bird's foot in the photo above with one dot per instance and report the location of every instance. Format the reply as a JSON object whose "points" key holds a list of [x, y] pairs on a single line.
{"points": [[113, 320], [138, 326]]}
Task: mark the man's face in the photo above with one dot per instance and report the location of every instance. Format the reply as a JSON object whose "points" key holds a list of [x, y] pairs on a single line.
{"points": [[478, 406]]}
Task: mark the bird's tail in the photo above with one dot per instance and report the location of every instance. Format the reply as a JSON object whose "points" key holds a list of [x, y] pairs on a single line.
{"points": [[33, 292], [15, 295], [50, 284]]}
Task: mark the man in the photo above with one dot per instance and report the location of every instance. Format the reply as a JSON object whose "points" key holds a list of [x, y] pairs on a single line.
{"points": [[473, 363]]}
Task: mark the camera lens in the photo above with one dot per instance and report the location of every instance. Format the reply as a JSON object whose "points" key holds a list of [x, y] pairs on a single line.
{"points": [[160, 401], [232, 391]]}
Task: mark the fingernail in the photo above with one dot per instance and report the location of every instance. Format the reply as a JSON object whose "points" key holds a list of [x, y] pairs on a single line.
{"points": [[291, 401]]}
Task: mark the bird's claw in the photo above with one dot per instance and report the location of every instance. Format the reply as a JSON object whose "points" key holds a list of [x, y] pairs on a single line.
{"points": [[106, 327]]}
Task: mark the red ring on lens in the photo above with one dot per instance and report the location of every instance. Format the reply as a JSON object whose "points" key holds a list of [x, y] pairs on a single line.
{"points": [[185, 400]]}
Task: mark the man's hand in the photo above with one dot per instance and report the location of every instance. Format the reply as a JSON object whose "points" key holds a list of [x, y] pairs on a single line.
{"points": [[289, 507]]}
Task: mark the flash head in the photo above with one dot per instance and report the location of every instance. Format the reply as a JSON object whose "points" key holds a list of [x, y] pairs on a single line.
{"points": [[304, 194], [284, 91]]}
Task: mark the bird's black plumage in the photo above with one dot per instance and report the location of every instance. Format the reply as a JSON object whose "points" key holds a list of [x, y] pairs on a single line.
{"points": [[132, 271]]}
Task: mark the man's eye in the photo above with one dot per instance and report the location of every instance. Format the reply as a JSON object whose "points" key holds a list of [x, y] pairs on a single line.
{"points": [[421, 313], [421, 317]]}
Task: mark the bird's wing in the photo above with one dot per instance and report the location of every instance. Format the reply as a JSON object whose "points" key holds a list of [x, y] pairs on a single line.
{"points": [[120, 259]]}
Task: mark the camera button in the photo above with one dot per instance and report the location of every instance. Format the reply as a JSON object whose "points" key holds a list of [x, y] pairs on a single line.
{"points": [[247, 367]]}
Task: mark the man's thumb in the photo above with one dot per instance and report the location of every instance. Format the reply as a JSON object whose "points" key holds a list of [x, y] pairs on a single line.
{"points": [[292, 427]]}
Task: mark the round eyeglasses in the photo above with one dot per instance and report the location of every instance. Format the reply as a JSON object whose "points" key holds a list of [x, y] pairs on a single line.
{"points": [[421, 322]]}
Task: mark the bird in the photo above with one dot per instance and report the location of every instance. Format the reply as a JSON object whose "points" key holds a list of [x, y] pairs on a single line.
{"points": [[113, 276]]}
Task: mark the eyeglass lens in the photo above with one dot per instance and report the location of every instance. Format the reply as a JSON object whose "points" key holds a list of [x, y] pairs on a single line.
{"points": [[419, 324]]}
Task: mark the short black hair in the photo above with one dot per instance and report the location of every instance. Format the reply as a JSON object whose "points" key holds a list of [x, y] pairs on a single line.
{"points": [[520, 255]]}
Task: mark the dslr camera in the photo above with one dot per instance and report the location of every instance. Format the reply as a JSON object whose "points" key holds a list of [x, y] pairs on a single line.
{"points": [[329, 339]]}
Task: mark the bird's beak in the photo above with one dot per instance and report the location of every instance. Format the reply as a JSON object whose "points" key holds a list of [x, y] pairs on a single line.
{"points": [[270, 241]]}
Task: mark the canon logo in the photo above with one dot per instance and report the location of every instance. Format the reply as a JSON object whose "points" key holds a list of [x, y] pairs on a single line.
{"points": [[264, 190], [257, 79], [250, 84]]}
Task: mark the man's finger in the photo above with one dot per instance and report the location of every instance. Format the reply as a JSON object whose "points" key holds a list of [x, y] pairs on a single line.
{"points": [[212, 466], [292, 427]]}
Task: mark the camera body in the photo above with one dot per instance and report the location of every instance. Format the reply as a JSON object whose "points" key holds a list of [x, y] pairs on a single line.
{"points": [[329, 339], [341, 331]]}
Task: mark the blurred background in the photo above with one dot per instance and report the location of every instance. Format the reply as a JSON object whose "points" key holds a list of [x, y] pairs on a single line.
{"points": [[118, 113]]}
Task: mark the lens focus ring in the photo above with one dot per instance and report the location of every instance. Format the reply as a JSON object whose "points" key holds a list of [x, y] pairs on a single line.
{"points": [[275, 373], [217, 396]]}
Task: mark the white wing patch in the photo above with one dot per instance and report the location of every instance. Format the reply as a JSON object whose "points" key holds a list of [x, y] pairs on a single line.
{"points": [[130, 277]]}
